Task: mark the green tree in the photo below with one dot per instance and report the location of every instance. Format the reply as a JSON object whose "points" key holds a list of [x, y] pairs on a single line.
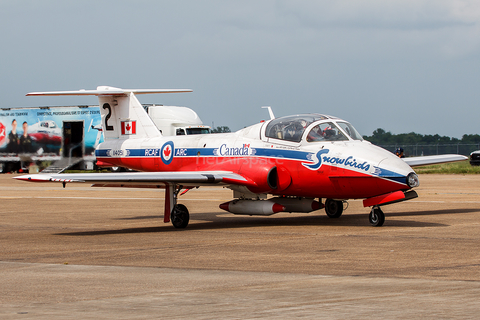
{"points": [[222, 129], [471, 138], [381, 137]]}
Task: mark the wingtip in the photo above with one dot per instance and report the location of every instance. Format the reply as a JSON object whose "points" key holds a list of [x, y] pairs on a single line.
{"points": [[23, 178], [33, 178]]}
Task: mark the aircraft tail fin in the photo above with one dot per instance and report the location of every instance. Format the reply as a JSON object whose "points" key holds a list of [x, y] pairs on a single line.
{"points": [[123, 116]]}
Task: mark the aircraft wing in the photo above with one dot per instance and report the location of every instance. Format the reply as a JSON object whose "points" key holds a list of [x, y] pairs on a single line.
{"points": [[426, 160], [143, 179]]}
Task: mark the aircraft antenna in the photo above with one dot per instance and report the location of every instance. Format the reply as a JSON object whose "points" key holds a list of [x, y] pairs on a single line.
{"points": [[270, 112]]}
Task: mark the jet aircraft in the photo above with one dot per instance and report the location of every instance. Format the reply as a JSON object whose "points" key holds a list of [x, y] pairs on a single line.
{"points": [[298, 163], [46, 132]]}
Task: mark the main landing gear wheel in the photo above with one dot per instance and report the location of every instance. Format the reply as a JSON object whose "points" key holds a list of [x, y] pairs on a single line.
{"points": [[376, 217], [333, 208], [180, 216]]}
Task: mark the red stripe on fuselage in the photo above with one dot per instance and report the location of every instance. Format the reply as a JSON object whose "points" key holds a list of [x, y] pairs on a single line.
{"points": [[326, 182]]}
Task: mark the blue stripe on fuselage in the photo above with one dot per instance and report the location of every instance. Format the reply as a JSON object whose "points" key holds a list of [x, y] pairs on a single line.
{"points": [[282, 153], [212, 152], [390, 175]]}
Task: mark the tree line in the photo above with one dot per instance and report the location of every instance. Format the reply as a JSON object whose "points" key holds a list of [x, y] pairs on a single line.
{"points": [[381, 137], [221, 129]]}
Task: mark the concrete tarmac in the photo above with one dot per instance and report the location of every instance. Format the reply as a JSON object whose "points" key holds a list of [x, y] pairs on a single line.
{"points": [[98, 253]]}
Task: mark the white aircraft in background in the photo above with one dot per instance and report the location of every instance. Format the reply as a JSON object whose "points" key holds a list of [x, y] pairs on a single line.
{"points": [[303, 162]]}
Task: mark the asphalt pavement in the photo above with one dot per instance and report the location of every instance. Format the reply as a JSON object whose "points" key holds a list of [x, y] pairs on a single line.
{"points": [[98, 253]]}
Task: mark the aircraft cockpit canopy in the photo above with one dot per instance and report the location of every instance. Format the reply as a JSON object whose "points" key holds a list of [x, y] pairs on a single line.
{"points": [[350, 130], [292, 128]]}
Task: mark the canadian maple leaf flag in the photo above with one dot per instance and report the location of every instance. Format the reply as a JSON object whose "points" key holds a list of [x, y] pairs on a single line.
{"points": [[129, 127]]}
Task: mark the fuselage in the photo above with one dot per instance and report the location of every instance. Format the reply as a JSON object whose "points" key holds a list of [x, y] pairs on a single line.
{"points": [[314, 156]]}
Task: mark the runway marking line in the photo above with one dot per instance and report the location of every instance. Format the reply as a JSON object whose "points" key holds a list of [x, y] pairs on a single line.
{"points": [[102, 198]]}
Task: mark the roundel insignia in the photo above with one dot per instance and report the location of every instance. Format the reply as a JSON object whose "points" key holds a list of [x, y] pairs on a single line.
{"points": [[167, 152]]}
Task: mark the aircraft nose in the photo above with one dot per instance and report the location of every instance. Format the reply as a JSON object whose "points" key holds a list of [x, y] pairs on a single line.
{"points": [[395, 168]]}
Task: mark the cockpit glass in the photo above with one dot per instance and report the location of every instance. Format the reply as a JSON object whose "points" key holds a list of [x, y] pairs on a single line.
{"points": [[198, 130], [290, 128], [326, 131], [350, 130]]}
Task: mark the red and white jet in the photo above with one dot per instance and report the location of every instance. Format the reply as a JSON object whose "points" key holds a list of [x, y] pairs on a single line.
{"points": [[298, 163]]}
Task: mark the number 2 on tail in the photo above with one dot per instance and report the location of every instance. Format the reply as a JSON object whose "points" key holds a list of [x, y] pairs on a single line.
{"points": [[107, 117]]}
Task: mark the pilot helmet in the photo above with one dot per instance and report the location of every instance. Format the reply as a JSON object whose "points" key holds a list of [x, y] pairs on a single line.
{"points": [[328, 132]]}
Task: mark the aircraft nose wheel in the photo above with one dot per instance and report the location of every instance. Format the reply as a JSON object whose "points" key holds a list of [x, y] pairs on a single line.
{"points": [[376, 217], [180, 216]]}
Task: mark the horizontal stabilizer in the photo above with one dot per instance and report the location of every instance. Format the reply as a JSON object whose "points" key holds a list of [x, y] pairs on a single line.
{"points": [[107, 91]]}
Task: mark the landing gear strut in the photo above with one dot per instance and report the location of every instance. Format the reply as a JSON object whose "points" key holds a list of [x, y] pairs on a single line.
{"points": [[376, 217], [177, 213], [333, 208]]}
